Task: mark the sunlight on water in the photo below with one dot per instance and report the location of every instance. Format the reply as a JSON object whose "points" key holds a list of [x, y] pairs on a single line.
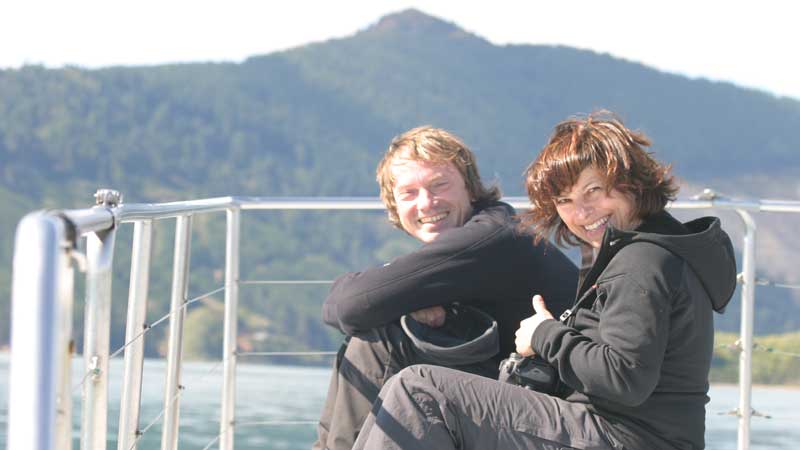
{"points": [[291, 394]]}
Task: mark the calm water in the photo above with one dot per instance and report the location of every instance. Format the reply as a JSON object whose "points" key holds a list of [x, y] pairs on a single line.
{"points": [[290, 394]]}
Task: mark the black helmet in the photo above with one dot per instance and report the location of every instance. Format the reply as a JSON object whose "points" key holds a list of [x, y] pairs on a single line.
{"points": [[468, 336]]}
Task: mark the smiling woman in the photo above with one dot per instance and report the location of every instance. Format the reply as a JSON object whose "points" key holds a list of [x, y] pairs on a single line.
{"points": [[593, 172]]}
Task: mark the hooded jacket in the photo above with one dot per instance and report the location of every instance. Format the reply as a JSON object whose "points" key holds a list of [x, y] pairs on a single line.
{"points": [[638, 349], [487, 263]]}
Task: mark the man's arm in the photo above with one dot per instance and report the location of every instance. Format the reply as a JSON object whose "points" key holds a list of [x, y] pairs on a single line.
{"points": [[453, 267]]}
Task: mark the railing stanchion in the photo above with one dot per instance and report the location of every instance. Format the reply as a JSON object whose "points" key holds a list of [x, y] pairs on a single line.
{"points": [[34, 367], [180, 284], [97, 327], [130, 401], [746, 333], [227, 415], [65, 350]]}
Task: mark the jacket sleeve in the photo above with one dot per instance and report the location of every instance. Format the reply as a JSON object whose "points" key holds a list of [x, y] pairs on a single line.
{"points": [[456, 266], [621, 359]]}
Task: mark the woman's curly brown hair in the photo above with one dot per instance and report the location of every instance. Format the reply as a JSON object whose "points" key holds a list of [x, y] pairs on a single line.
{"points": [[602, 141]]}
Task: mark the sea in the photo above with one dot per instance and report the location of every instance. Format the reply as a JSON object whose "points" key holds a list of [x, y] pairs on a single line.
{"points": [[277, 407]]}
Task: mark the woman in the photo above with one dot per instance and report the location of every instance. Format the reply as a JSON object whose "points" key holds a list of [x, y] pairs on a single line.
{"points": [[633, 357]]}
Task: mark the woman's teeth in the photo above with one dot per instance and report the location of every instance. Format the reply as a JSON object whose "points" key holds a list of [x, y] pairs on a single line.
{"points": [[597, 224]]}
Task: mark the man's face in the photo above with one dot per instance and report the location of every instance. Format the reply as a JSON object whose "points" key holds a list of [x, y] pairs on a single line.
{"points": [[431, 197]]}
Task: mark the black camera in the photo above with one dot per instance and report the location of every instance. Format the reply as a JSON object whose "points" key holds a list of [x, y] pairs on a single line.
{"points": [[531, 373]]}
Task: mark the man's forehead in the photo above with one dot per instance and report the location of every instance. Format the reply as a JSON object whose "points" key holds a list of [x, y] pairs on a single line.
{"points": [[402, 168]]}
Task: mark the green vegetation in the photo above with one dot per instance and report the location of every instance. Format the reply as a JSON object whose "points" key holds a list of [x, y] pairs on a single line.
{"points": [[314, 121], [776, 359]]}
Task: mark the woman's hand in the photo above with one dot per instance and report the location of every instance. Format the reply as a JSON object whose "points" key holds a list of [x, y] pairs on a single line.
{"points": [[433, 316], [528, 326]]}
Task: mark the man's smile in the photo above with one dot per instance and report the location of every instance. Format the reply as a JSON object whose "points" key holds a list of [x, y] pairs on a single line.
{"points": [[433, 219]]}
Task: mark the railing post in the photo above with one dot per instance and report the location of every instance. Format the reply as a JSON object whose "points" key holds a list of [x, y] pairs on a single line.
{"points": [[65, 352], [746, 333], [130, 401], [34, 371], [227, 415], [180, 284], [97, 328]]}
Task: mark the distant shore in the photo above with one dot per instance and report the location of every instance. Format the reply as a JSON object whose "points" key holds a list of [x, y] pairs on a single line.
{"points": [[5, 355]]}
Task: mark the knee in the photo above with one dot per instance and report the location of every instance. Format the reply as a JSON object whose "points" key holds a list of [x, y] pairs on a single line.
{"points": [[418, 375]]}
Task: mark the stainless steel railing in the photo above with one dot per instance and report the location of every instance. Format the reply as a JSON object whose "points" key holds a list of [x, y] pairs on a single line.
{"points": [[42, 296]]}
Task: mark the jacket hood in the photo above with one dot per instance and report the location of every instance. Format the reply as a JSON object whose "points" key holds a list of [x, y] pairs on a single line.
{"points": [[701, 243]]}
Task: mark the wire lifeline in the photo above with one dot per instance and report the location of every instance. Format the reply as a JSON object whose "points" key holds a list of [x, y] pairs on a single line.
{"points": [[278, 282], [141, 433], [181, 388], [146, 329], [760, 347], [285, 353], [151, 326], [278, 422], [736, 346]]}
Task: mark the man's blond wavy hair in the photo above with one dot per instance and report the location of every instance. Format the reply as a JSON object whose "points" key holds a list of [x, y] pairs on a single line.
{"points": [[434, 145]]}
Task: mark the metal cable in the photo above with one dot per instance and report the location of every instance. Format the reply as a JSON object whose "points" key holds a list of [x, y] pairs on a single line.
{"points": [[214, 441], [140, 433], [146, 329], [181, 389], [251, 282], [765, 282], [736, 346], [149, 327], [83, 380], [278, 423], [757, 346], [266, 422], [285, 353]]}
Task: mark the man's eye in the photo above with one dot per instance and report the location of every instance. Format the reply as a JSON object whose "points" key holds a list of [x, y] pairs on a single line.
{"points": [[405, 195]]}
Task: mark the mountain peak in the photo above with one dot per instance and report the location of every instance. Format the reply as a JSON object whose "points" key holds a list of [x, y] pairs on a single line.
{"points": [[415, 21]]}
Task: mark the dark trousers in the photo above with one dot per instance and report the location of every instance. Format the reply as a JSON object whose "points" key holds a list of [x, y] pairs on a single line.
{"points": [[427, 407], [364, 363]]}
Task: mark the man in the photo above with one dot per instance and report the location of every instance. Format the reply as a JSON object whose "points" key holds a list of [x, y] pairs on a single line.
{"points": [[473, 253]]}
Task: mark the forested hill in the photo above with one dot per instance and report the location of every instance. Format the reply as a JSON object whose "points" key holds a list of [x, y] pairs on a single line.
{"points": [[314, 120]]}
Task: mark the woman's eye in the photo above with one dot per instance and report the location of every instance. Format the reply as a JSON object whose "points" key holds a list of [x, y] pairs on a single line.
{"points": [[562, 201], [594, 190]]}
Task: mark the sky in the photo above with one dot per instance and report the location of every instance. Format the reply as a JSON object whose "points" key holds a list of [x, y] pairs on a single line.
{"points": [[754, 44]]}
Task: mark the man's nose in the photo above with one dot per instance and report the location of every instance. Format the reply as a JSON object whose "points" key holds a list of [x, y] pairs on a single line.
{"points": [[424, 199]]}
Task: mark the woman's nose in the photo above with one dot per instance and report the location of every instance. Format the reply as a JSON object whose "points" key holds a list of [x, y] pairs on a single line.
{"points": [[584, 210]]}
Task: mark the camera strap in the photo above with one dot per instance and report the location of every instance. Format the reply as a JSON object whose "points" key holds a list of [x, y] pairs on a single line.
{"points": [[570, 311]]}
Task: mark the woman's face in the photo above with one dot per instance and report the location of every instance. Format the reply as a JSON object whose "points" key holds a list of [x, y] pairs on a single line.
{"points": [[588, 207]]}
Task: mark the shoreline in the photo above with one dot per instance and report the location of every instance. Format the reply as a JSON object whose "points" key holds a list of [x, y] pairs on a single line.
{"points": [[5, 354], [790, 386]]}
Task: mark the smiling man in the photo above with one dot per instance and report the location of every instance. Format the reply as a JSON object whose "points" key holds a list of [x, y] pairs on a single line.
{"points": [[472, 253]]}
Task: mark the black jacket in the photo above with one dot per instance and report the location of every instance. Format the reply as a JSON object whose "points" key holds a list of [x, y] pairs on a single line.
{"points": [[639, 352], [487, 263]]}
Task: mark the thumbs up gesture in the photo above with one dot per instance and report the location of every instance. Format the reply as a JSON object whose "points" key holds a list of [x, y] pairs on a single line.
{"points": [[528, 326]]}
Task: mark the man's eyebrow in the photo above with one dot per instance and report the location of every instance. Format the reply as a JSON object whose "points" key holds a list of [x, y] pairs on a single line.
{"points": [[400, 185]]}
